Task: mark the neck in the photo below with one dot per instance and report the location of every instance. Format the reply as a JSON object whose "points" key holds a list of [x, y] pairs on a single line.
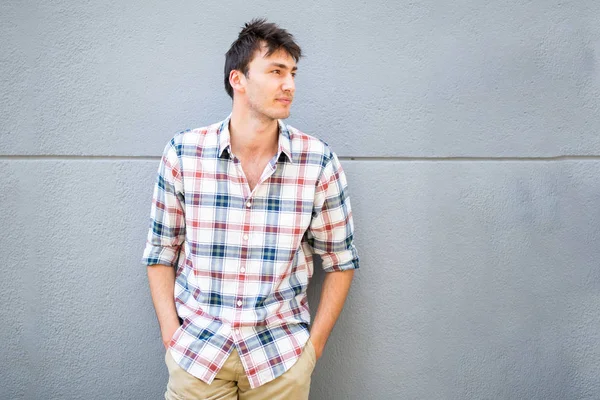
{"points": [[252, 135]]}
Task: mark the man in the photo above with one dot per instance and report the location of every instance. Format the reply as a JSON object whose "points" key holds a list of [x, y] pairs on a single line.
{"points": [[239, 208]]}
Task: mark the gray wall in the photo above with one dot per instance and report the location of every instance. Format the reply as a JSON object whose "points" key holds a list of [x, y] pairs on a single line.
{"points": [[469, 131]]}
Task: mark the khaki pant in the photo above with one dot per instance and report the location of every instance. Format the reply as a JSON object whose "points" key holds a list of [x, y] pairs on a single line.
{"points": [[231, 381]]}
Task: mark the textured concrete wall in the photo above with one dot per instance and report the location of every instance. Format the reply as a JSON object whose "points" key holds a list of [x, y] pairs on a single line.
{"points": [[469, 133]]}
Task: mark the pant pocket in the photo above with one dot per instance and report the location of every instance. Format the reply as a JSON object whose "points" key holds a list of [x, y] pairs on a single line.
{"points": [[311, 352]]}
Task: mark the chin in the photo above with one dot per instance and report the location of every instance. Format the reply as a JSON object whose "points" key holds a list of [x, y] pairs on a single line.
{"points": [[282, 114], [277, 114], [273, 112]]}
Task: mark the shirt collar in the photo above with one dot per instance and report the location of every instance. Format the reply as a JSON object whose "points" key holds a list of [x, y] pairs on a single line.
{"points": [[285, 144]]}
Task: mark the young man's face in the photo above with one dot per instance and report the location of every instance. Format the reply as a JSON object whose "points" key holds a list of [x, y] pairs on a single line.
{"points": [[269, 85]]}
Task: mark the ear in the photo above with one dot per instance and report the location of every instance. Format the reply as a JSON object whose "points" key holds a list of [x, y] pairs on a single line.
{"points": [[237, 80]]}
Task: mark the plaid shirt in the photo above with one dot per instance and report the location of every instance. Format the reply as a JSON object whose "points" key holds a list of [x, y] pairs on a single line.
{"points": [[244, 258]]}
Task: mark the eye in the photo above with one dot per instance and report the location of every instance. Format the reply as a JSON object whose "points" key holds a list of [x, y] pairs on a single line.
{"points": [[293, 74], [276, 71]]}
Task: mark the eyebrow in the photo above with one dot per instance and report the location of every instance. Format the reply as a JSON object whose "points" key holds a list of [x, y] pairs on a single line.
{"points": [[282, 66]]}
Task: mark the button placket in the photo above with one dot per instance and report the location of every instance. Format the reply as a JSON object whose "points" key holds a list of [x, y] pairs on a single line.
{"points": [[247, 205]]}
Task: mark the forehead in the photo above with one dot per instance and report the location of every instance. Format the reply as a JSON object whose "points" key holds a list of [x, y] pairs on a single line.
{"points": [[280, 56]]}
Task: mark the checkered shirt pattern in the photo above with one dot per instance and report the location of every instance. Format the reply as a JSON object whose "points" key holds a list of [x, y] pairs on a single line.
{"points": [[244, 257]]}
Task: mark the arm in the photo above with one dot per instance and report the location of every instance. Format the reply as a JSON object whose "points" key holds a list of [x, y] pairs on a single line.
{"points": [[162, 285], [331, 236], [165, 238], [333, 295]]}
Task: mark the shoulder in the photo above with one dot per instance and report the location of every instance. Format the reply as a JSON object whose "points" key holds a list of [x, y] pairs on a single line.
{"points": [[189, 140], [308, 146], [194, 135]]}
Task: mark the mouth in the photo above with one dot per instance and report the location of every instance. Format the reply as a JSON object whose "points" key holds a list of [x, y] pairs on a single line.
{"points": [[284, 100]]}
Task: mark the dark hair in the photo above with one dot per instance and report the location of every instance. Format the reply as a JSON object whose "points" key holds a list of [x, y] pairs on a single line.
{"points": [[252, 36]]}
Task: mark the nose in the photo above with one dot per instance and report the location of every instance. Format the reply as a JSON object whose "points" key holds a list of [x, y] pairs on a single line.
{"points": [[288, 84]]}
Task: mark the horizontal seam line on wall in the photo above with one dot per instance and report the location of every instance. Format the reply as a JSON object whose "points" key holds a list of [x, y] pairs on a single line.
{"points": [[342, 158], [467, 158]]}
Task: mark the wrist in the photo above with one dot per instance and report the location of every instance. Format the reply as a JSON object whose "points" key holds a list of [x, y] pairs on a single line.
{"points": [[168, 330], [318, 341]]}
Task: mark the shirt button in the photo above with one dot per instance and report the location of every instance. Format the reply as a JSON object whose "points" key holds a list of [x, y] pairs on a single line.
{"points": [[248, 204], [242, 269], [246, 237], [239, 303], [237, 331]]}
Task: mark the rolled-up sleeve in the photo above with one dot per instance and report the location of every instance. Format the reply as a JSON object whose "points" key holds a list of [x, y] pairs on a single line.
{"points": [[167, 215], [331, 230]]}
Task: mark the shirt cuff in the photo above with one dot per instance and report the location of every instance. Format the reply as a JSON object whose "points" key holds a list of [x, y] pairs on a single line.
{"points": [[164, 255], [340, 261]]}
